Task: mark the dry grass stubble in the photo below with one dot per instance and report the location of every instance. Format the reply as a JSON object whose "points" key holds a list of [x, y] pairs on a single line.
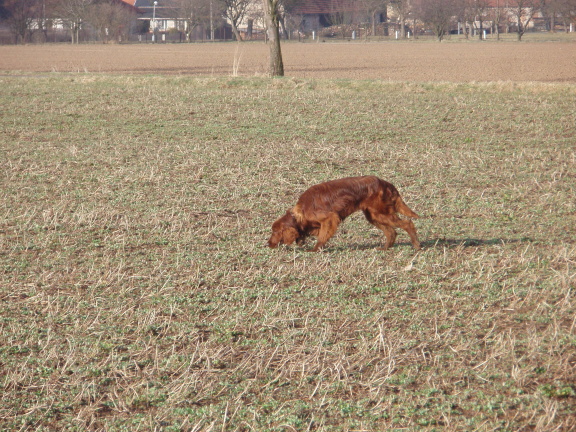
{"points": [[137, 291]]}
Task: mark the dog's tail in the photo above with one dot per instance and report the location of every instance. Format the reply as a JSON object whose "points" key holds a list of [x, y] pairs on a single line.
{"points": [[402, 208]]}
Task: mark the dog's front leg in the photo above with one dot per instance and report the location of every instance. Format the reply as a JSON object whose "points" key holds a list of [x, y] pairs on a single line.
{"points": [[327, 229]]}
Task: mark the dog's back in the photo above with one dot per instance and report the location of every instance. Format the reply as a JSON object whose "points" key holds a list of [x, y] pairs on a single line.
{"points": [[343, 196]]}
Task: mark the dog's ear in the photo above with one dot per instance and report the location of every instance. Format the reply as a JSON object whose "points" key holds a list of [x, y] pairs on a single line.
{"points": [[278, 228], [290, 235], [290, 231], [284, 230], [276, 237]]}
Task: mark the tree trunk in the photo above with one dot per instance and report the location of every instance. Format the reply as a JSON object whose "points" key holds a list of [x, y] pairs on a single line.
{"points": [[276, 66], [236, 32], [384, 20], [250, 29]]}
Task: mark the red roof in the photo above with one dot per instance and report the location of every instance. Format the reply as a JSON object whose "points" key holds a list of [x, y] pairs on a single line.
{"points": [[130, 3]]}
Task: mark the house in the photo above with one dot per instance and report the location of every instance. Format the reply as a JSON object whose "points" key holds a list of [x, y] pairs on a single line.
{"points": [[163, 20], [161, 15], [316, 14]]}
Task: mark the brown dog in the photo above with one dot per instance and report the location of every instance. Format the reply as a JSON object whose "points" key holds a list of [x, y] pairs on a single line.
{"points": [[321, 208]]}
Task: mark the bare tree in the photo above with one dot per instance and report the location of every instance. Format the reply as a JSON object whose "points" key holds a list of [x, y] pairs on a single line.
{"points": [[464, 12], [373, 8], [272, 21], [437, 14], [254, 15], [402, 9], [234, 11], [568, 12], [194, 13], [523, 12], [290, 19], [498, 15], [294, 22], [21, 14], [480, 10], [554, 11], [110, 18], [340, 13], [73, 14], [549, 12]]}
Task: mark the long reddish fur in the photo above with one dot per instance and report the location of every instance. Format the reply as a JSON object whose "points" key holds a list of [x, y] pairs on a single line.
{"points": [[321, 208]]}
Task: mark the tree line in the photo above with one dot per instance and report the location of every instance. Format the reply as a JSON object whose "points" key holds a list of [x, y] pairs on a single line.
{"points": [[109, 19], [113, 20], [477, 16]]}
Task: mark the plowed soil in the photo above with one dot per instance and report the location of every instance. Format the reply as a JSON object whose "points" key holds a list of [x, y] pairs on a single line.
{"points": [[396, 61]]}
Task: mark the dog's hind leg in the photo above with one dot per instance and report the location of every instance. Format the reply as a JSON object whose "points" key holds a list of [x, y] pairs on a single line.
{"points": [[387, 223], [390, 234], [328, 227], [407, 226], [379, 222]]}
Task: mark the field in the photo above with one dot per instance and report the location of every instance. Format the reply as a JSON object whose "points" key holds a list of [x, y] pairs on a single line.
{"points": [[137, 291], [544, 60]]}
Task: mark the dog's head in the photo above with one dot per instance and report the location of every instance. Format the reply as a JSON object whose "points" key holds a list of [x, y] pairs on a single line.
{"points": [[284, 231]]}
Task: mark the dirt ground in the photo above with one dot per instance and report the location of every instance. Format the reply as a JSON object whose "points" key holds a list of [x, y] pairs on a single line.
{"points": [[396, 61]]}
